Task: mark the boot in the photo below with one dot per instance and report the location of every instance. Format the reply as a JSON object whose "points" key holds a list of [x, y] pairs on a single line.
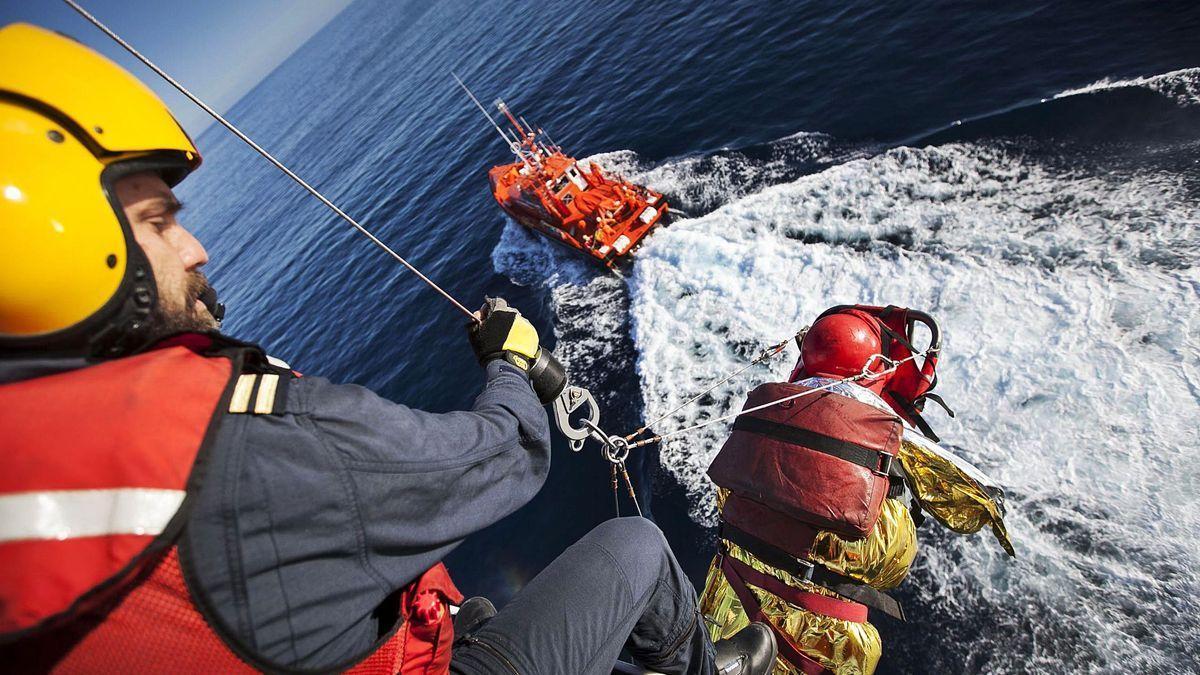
{"points": [[751, 651], [472, 614]]}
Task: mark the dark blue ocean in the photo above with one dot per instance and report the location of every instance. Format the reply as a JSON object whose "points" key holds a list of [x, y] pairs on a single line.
{"points": [[1028, 172]]}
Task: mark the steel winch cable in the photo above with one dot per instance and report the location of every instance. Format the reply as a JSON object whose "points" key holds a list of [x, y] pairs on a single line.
{"points": [[270, 158], [866, 374], [767, 353]]}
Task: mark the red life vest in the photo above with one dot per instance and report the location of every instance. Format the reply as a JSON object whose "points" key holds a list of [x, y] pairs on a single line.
{"points": [[93, 496], [819, 462]]}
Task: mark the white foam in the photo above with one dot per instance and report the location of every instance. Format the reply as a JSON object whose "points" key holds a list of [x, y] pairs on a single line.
{"points": [[529, 259], [698, 183], [1073, 362], [590, 305], [1182, 85]]}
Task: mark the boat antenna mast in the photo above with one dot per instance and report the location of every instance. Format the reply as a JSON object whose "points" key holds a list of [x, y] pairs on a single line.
{"points": [[553, 146], [512, 144], [537, 134], [528, 138]]}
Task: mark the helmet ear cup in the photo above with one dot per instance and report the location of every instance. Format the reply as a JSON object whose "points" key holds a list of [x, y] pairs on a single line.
{"points": [[62, 256], [74, 279]]}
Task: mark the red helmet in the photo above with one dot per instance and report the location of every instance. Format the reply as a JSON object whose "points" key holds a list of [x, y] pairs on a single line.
{"points": [[840, 345], [843, 340]]}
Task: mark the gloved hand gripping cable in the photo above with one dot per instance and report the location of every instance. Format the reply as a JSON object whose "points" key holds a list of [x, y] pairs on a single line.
{"points": [[500, 332]]}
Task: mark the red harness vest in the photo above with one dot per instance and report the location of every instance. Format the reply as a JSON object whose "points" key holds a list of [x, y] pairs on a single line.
{"points": [[97, 466], [821, 460]]}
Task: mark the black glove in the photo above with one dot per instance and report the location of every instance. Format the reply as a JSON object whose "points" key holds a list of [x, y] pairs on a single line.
{"points": [[504, 334]]}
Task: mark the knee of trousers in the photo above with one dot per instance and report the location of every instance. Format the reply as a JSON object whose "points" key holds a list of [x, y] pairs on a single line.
{"points": [[637, 545]]}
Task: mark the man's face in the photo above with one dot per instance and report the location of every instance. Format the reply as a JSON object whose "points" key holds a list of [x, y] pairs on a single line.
{"points": [[174, 254]]}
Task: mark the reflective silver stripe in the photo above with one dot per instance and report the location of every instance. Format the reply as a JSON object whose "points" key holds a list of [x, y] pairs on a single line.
{"points": [[69, 514]]}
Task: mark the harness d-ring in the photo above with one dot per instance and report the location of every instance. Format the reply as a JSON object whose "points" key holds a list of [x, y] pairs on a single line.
{"points": [[617, 450]]}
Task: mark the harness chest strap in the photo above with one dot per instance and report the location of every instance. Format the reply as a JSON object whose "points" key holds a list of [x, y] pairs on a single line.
{"points": [[868, 458], [813, 572]]}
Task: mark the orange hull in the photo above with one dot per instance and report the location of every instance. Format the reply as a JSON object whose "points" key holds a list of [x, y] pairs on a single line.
{"points": [[600, 216]]}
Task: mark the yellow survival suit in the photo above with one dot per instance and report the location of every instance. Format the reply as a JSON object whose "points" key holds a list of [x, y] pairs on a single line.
{"points": [[818, 582]]}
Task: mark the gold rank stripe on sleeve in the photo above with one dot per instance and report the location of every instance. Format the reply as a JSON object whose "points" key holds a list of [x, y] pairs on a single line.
{"points": [[264, 403], [256, 394], [241, 393]]}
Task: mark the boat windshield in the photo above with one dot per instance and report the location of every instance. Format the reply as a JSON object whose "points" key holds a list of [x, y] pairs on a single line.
{"points": [[560, 183]]}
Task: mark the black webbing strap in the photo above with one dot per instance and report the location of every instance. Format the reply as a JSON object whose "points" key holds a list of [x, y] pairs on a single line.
{"points": [[916, 417], [892, 334], [938, 400], [879, 462], [865, 595], [897, 478], [768, 553], [813, 572]]}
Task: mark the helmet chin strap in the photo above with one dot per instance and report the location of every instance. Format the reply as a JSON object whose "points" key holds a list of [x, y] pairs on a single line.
{"points": [[217, 309]]}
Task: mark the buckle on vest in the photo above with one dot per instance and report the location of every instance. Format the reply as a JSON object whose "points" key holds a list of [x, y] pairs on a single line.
{"points": [[885, 464], [806, 569]]}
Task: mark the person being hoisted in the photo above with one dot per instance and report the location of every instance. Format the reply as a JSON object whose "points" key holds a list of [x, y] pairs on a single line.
{"points": [[173, 500], [820, 495]]}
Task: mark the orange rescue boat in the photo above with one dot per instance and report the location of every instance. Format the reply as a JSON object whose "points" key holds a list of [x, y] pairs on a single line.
{"points": [[596, 213]]}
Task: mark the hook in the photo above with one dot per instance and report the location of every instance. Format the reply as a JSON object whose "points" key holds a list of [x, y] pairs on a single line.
{"points": [[572, 399]]}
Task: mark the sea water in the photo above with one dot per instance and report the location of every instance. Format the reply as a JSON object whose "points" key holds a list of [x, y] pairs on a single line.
{"points": [[1025, 174]]}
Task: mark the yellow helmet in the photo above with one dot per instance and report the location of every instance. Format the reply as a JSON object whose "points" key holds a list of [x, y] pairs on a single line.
{"points": [[72, 277]]}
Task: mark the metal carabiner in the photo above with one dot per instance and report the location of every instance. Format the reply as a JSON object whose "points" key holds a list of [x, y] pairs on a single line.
{"points": [[867, 370], [572, 399], [615, 448]]}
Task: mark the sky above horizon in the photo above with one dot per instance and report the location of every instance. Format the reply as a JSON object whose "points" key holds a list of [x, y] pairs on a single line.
{"points": [[219, 49]]}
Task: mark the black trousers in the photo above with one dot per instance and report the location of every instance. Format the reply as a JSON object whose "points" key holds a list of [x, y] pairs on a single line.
{"points": [[618, 586]]}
